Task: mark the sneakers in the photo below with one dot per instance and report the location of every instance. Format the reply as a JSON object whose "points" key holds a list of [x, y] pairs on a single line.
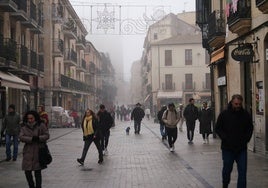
{"points": [[8, 158], [172, 148], [80, 162], [105, 151]]}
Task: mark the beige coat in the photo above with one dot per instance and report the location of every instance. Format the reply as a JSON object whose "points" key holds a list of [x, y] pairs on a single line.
{"points": [[30, 159], [170, 118]]}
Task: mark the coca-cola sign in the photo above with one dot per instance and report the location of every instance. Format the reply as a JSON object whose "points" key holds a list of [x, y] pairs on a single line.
{"points": [[243, 53]]}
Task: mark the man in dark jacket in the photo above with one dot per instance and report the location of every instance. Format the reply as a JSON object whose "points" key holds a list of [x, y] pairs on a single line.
{"points": [[11, 125], [105, 122], [162, 124], [190, 114], [234, 126], [137, 115]]}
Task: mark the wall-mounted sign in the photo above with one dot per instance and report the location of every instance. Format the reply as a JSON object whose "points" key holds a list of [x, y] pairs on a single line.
{"points": [[243, 53], [222, 81]]}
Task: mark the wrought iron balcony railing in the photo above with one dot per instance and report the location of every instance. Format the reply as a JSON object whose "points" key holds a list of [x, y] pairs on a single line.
{"points": [[216, 23]]}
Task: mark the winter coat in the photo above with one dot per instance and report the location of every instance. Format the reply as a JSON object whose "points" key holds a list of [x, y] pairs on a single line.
{"points": [[96, 128], [205, 119], [171, 118], [105, 120], [137, 114], [234, 128], [30, 159], [11, 124], [190, 113]]}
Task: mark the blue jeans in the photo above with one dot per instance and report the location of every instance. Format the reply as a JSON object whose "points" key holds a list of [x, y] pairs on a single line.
{"points": [[15, 146], [240, 158], [163, 129], [137, 126]]}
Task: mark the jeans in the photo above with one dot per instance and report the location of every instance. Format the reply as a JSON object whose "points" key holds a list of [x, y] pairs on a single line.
{"points": [[15, 146], [172, 135], [162, 129], [38, 178], [87, 143], [240, 158]]}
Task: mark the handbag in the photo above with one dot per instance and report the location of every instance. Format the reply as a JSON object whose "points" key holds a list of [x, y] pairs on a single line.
{"points": [[45, 157]]}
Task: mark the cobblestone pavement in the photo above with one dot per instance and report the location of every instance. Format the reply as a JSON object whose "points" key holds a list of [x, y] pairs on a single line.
{"points": [[133, 161]]}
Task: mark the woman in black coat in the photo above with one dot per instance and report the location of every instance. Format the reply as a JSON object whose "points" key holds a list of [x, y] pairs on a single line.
{"points": [[205, 118], [91, 133]]}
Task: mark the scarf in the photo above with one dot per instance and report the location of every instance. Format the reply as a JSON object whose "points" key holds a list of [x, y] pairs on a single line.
{"points": [[87, 125]]}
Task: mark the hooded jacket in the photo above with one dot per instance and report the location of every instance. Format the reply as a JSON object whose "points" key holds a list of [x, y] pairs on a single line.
{"points": [[234, 128]]}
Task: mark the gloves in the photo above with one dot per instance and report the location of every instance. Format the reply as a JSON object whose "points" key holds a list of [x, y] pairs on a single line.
{"points": [[35, 139]]}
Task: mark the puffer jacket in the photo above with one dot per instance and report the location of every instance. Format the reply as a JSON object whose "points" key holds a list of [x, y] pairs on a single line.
{"points": [[30, 159]]}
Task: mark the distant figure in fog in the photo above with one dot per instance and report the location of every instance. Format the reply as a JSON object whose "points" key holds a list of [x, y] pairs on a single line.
{"points": [[137, 115], [234, 126], [205, 119], [190, 114], [75, 116], [33, 133], [147, 113], [91, 133], [180, 111], [43, 114]]}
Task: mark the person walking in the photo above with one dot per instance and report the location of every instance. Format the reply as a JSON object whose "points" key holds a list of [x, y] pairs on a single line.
{"points": [[148, 113], [171, 119], [180, 111], [234, 127], [105, 122], [190, 114], [11, 127], [43, 114], [162, 124], [205, 118], [33, 132], [91, 133], [137, 115]]}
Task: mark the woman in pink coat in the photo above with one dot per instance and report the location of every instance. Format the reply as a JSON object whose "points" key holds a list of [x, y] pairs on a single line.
{"points": [[32, 134]]}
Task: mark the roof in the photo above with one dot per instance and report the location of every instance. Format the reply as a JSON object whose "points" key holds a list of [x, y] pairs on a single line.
{"points": [[181, 39]]}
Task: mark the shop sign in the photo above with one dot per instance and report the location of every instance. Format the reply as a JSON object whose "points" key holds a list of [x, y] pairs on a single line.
{"points": [[243, 53], [222, 81]]}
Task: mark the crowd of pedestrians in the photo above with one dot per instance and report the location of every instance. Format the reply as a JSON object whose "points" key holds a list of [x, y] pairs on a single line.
{"points": [[234, 127]]}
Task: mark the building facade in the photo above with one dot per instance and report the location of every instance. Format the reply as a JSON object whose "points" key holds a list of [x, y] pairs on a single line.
{"points": [[235, 34], [174, 64]]}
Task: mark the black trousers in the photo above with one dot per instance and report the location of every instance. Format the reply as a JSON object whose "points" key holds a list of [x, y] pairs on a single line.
{"points": [[87, 143], [38, 179], [190, 130], [172, 134], [104, 141]]}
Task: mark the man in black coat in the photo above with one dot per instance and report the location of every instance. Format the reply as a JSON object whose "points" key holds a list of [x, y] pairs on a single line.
{"points": [[190, 114], [234, 126], [105, 123], [137, 115]]}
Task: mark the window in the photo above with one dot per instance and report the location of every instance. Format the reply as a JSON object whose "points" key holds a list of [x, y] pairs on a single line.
{"points": [[168, 57], [188, 81], [168, 82], [188, 57], [155, 36], [207, 82]]}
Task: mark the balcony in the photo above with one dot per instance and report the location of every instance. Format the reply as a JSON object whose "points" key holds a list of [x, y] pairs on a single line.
{"points": [[262, 6], [81, 43], [9, 49], [168, 87], [216, 29], [57, 13], [41, 64], [23, 55], [74, 85], [8, 6], [239, 21], [70, 57], [58, 48], [21, 13], [189, 86], [70, 29], [82, 66]]}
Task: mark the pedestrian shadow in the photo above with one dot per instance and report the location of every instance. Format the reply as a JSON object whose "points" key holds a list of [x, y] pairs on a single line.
{"points": [[86, 169]]}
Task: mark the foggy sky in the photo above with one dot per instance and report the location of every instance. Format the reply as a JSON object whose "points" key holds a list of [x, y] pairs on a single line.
{"points": [[125, 49]]}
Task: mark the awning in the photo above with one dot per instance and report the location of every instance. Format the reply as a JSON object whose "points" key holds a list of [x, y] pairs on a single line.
{"points": [[12, 81], [169, 94], [217, 55], [147, 97]]}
